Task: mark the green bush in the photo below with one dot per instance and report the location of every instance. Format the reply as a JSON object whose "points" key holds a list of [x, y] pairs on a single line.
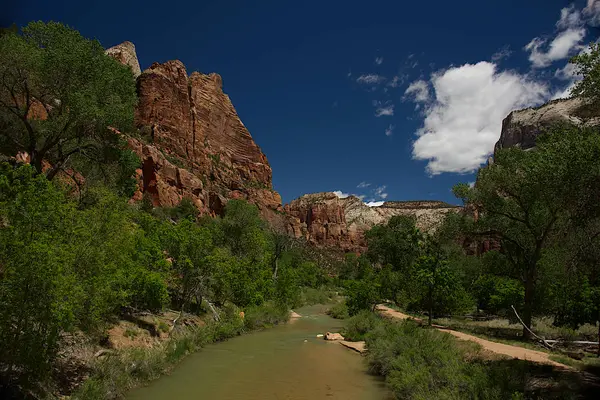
{"points": [[422, 363], [358, 326], [339, 311], [267, 315]]}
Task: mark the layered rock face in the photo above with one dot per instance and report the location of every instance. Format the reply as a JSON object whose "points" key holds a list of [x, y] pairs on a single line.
{"points": [[125, 54], [521, 127], [325, 219], [193, 143], [320, 219]]}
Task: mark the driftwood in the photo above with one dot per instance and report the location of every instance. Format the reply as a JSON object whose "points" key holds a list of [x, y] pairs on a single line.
{"points": [[542, 340], [580, 342]]}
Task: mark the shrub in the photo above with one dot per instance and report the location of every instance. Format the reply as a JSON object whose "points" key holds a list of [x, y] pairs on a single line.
{"points": [[359, 325], [268, 314], [339, 311]]}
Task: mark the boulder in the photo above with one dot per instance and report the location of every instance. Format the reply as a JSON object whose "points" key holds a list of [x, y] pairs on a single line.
{"points": [[333, 336]]}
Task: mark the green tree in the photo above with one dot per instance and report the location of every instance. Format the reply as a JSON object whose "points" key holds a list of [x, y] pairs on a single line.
{"points": [[59, 94], [530, 199], [441, 289], [39, 293], [395, 246], [588, 66]]}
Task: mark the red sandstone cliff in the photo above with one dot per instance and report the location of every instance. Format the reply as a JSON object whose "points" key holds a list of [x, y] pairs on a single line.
{"points": [[325, 219], [192, 142]]}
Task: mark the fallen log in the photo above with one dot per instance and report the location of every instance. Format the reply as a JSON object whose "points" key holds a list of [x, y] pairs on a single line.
{"points": [[542, 340]]}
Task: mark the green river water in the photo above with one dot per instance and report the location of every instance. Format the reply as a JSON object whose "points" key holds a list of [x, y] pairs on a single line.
{"points": [[287, 362]]}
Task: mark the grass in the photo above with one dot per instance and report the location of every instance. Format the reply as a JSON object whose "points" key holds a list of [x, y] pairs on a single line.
{"points": [[422, 363], [504, 329], [311, 296], [112, 376]]}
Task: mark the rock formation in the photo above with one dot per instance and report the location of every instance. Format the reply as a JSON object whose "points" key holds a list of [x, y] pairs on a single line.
{"points": [[326, 219], [125, 54], [521, 127], [192, 142]]}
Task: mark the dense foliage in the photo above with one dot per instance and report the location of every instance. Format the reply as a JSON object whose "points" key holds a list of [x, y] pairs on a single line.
{"points": [[60, 98], [68, 266]]}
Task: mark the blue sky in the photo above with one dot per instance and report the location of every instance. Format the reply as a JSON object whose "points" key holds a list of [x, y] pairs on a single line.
{"points": [[393, 100]]}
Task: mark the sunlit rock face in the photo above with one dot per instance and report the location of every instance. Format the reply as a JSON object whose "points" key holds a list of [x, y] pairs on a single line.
{"points": [[326, 219], [192, 142]]}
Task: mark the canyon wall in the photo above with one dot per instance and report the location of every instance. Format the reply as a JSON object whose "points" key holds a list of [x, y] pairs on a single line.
{"points": [[326, 219]]}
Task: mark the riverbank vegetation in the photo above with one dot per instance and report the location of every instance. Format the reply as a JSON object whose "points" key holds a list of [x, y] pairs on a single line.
{"points": [[76, 257], [422, 363]]}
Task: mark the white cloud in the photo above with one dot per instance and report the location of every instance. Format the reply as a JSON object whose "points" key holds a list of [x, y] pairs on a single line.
{"points": [[569, 17], [370, 79], [501, 54], [380, 192], [363, 185], [567, 73], [418, 91], [395, 82], [471, 184], [592, 12], [389, 131], [464, 120], [379, 60], [341, 194], [568, 39], [384, 110], [566, 92], [375, 203]]}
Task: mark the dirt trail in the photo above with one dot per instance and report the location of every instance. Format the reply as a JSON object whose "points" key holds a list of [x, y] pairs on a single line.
{"points": [[512, 351]]}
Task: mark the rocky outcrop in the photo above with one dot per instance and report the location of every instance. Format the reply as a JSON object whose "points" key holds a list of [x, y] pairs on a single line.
{"points": [[192, 142], [125, 54], [320, 219], [326, 219], [521, 127]]}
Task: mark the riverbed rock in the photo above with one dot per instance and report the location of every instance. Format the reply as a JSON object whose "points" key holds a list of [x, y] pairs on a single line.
{"points": [[333, 336], [294, 314], [359, 347]]}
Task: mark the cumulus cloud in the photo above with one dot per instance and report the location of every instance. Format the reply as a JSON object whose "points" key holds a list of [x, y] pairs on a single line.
{"points": [[418, 91], [464, 119], [375, 203], [570, 33], [363, 185], [389, 131], [592, 12], [370, 79], [341, 194], [379, 60]]}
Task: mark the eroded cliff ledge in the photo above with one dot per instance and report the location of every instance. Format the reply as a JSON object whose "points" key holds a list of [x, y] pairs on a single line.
{"points": [[326, 219]]}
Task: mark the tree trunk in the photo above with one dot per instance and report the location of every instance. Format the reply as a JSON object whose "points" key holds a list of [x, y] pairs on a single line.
{"points": [[528, 308], [430, 306], [275, 269], [598, 338]]}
